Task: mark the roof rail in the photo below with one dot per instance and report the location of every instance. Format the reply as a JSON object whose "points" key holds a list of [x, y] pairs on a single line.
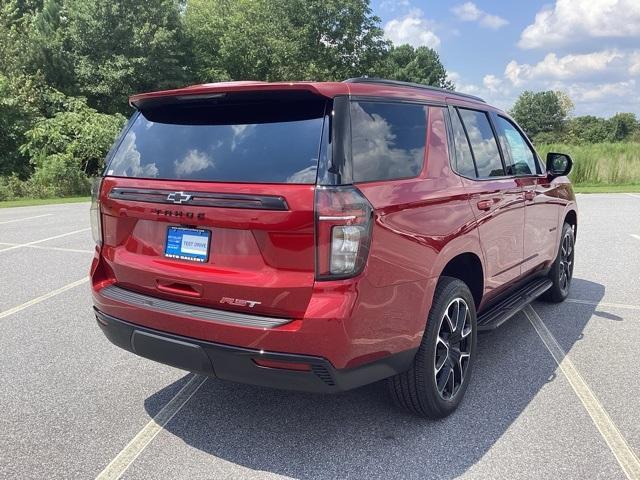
{"points": [[398, 83]]}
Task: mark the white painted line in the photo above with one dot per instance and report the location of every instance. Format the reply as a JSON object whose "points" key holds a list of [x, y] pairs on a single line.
{"points": [[44, 240], [633, 195], [603, 304], [40, 247], [610, 433], [637, 237], [42, 298], [26, 218], [127, 456]]}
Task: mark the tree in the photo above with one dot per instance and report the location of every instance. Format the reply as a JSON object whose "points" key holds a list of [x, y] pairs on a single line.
{"points": [[23, 100], [14, 40], [78, 133], [623, 126], [588, 129], [283, 39], [106, 50], [48, 54], [540, 112], [16, 116], [419, 65]]}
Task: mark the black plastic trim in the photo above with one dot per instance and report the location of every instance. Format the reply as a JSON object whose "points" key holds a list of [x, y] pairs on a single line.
{"points": [[201, 199], [237, 363], [341, 165], [390, 99], [502, 311]]}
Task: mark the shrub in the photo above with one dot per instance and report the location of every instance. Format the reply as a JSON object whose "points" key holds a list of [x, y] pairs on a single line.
{"points": [[60, 175], [79, 132], [11, 187]]}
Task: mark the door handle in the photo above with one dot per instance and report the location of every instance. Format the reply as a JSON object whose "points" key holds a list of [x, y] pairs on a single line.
{"points": [[484, 204], [529, 195]]}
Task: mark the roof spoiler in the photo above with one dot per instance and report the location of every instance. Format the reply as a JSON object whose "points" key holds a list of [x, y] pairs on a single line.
{"points": [[223, 91]]}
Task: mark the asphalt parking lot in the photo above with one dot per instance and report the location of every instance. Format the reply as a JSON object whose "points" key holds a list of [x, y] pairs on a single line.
{"points": [[73, 404]]}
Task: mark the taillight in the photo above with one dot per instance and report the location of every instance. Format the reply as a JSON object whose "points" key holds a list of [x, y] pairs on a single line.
{"points": [[343, 232], [94, 211]]}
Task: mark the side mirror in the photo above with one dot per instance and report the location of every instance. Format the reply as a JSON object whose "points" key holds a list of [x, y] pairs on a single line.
{"points": [[558, 164]]}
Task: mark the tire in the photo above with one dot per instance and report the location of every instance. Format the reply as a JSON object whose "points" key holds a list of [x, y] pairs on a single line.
{"points": [[561, 271], [418, 389]]}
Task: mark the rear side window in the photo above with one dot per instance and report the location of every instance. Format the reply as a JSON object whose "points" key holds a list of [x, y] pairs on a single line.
{"points": [[388, 140], [516, 148], [463, 158], [483, 143], [265, 142]]}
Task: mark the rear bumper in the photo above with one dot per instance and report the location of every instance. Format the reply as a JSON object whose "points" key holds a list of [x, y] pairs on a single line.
{"points": [[237, 363]]}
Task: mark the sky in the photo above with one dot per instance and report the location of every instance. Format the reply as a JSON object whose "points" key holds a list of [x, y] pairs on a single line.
{"points": [[589, 49]]}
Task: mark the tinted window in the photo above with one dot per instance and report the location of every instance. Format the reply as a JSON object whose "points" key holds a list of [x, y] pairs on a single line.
{"points": [[483, 143], [260, 143], [388, 140], [516, 149], [463, 158]]}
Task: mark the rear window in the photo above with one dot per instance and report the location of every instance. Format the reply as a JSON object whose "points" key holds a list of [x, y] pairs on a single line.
{"points": [[249, 142], [388, 140], [483, 143], [464, 164]]}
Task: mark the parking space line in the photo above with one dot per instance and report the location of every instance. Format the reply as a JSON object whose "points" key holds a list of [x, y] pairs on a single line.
{"points": [[26, 218], [637, 237], [42, 298], [603, 304], [59, 249], [635, 195], [127, 456], [610, 433], [44, 240]]}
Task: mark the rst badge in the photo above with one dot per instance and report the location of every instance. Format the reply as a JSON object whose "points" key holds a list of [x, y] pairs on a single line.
{"points": [[239, 302]]}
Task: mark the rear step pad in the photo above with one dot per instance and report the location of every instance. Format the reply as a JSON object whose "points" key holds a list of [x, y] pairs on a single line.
{"points": [[507, 308]]}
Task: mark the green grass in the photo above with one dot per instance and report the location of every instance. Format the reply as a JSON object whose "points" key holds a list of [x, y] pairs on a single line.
{"points": [[27, 202], [614, 165], [607, 188]]}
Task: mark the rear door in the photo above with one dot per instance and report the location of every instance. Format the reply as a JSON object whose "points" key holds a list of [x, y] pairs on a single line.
{"points": [[496, 197], [213, 203]]}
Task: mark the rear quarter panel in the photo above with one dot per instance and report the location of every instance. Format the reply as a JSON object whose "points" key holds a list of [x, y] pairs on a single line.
{"points": [[419, 225]]}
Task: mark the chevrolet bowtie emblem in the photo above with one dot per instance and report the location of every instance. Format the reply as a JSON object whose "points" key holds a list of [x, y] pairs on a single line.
{"points": [[179, 197]]}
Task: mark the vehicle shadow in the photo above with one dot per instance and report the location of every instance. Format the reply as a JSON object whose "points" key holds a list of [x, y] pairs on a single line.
{"points": [[360, 434]]}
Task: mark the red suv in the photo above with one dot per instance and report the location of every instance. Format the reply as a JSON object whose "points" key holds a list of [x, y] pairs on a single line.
{"points": [[323, 236]]}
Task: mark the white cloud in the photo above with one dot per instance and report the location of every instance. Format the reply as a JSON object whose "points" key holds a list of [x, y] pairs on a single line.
{"points": [[599, 83], [413, 29], [634, 64], [193, 161], [239, 134], [602, 92], [461, 85], [589, 66], [574, 21], [393, 5], [469, 12], [128, 163], [492, 82]]}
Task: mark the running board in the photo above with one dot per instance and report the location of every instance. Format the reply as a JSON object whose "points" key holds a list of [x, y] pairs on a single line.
{"points": [[507, 308]]}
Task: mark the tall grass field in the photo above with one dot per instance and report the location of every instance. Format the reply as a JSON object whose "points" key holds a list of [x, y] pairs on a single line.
{"points": [[600, 163]]}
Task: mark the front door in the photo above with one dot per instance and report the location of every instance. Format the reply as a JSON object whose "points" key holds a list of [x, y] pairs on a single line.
{"points": [[541, 209]]}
